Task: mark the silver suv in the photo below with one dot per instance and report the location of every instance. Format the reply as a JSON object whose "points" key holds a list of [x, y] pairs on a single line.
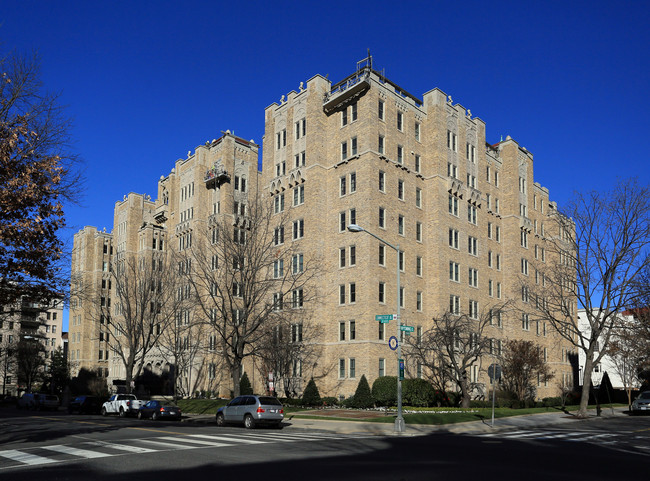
{"points": [[252, 410]]}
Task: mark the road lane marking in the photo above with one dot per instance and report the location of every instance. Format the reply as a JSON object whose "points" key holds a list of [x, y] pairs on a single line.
{"points": [[122, 447], [197, 441], [159, 431], [230, 438], [82, 453], [168, 444], [26, 458]]}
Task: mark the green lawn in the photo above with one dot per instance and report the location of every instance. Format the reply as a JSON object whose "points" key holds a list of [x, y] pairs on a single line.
{"points": [[201, 406]]}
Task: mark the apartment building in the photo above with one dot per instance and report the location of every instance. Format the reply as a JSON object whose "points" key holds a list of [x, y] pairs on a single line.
{"points": [[467, 215]]}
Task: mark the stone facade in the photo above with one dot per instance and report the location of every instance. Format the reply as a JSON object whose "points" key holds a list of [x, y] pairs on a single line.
{"points": [[416, 172]]}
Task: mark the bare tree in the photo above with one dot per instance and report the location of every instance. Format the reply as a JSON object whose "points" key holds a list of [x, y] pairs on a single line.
{"points": [[290, 345], [7, 361], [38, 173], [523, 365], [597, 247], [30, 361], [146, 300], [450, 348], [241, 270]]}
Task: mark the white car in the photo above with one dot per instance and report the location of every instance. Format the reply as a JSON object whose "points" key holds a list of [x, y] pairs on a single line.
{"points": [[642, 403]]}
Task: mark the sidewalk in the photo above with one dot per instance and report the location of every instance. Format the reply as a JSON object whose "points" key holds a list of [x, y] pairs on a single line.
{"points": [[528, 421]]}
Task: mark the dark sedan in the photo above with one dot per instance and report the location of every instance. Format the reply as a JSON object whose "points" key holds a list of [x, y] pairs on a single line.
{"points": [[157, 410], [85, 405]]}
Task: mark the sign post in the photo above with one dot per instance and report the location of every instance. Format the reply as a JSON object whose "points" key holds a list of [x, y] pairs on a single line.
{"points": [[494, 372]]}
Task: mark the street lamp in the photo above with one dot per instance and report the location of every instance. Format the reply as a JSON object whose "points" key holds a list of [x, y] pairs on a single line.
{"points": [[399, 421]]}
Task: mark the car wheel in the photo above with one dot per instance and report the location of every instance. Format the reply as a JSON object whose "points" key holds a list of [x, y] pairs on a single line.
{"points": [[220, 420], [155, 416], [140, 416], [122, 413], [249, 422], [104, 413]]}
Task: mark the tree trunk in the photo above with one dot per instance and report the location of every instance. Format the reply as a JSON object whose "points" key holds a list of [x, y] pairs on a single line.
{"points": [[235, 372], [586, 386]]}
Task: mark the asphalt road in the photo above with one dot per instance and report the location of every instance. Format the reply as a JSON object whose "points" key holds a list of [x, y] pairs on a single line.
{"points": [[52, 446]]}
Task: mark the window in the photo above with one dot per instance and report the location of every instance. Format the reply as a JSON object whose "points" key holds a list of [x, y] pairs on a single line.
{"points": [[353, 370], [418, 300], [400, 121], [525, 322], [453, 238], [471, 153], [496, 178], [416, 130], [380, 110], [498, 290], [344, 117], [353, 331], [473, 309], [401, 260], [498, 262], [454, 304], [342, 294], [382, 181], [297, 263], [353, 182], [498, 237], [452, 170], [342, 252], [453, 205], [344, 150], [353, 115], [298, 229], [382, 369], [401, 297], [452, 141], [524, 266], [380, 145], [299, 159], [277, 304], [341, 368], [400, 189], [418, 231], [400, 225], [382, 332], [298, 195], [418, 266], [473, 277], [297, 298], [279, 203], [382, 255], [353, 255], [490, 288], [278, 268], [400, 154], [353, 145], [472, 245], [489, 230], [353, 292], [382, 217], [342, 186], [382, 292], [418, 197], [471, 214], [454, 271], [278, 235], [281, 138], [342, 331]]}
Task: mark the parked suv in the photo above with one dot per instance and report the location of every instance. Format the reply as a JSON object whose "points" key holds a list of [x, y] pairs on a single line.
{"points": [[38, 401], [252, 410]]}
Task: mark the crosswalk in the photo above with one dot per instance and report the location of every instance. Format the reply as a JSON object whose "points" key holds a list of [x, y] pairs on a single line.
{"points": [[621, 441], [83, 450]]}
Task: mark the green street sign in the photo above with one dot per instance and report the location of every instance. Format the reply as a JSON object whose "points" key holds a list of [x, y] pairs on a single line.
{"points": [[407, 328], [384, 318]]}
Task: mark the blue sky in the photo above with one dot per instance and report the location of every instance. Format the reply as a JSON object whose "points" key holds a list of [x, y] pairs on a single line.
{"points": [[147, 81]]}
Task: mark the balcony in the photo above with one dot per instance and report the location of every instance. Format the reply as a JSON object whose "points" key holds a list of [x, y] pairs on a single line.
{"points": [[216, 175], [161, 214], [347, 90]]}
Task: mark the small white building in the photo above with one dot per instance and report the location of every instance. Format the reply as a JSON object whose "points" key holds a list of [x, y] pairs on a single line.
{"points": [[606, 364]]}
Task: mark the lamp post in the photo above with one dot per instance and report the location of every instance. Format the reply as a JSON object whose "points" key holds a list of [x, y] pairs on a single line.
{"points": [[399, 421]]}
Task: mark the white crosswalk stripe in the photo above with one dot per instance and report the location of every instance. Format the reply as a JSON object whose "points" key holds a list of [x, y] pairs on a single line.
{"points": [[57, 453], [572, 436]]}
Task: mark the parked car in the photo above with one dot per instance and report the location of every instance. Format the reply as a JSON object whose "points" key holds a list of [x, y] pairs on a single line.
{"points": [[85, 405], [27, 401], [38, 401], [122, 404], [158, 410], [251, 411], [642, 403], [47, 401]]}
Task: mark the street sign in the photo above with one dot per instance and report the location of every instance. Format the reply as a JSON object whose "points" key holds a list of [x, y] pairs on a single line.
{"points": [[392, 343], [407, 328], [494, 372], [384, 318]]}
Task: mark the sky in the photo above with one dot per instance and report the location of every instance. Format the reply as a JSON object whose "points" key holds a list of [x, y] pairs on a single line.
{"points": [[146, 81]]}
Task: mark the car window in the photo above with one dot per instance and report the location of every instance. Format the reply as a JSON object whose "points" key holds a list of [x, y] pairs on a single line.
{"points": [[235, 402], [645, 395], [250, 401], [269, 401]]}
